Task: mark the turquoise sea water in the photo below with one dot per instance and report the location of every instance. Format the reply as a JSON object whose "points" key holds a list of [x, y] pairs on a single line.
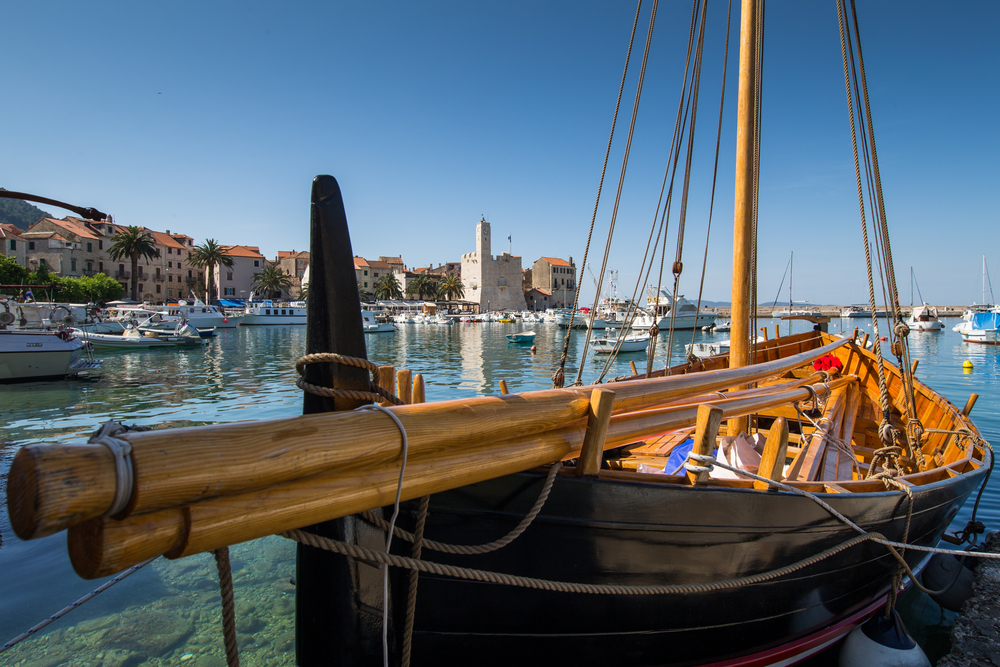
{"points": [[168, 612]]}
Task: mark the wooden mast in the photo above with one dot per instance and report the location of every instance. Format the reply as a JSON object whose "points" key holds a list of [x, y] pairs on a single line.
{"points": [[739, 351]]}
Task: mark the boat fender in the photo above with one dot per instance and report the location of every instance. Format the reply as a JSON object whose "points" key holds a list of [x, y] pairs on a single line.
{"points": [[946, 572], [882, 641], [225, 320]]}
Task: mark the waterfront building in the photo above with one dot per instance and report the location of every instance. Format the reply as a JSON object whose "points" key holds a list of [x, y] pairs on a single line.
{"points": [[556, 276], [12, 244], [237, 282], [538, 299], [492, 282], [294, 265], [368, 272]]}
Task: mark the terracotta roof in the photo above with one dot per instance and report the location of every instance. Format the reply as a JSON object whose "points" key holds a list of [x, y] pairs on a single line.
{"points": [[34, 236], [73, 226], [378, 265], [360, 262], [282, 254], [242, 251], [391, 260], [164, 240], [9, 231], [554, 261], [539, 289]]}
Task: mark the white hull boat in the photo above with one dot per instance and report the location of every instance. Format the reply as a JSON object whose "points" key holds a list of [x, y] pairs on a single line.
{"points": [[133, 339], [627, 344], [267, 312], [372, 325], [982, 328], [924, 318], [522, 337], [36, 355]]}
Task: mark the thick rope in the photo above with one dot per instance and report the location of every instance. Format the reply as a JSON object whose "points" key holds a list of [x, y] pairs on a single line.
{"points": [[228, 606], [107, 435], [374, 392], [411, 599]]}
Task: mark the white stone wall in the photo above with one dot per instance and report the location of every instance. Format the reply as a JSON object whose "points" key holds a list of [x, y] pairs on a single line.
{"points": [[493, 283]]}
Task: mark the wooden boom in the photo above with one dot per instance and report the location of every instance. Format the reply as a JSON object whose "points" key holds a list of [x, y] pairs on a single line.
{"points": [[54, 486], [103, 545]]}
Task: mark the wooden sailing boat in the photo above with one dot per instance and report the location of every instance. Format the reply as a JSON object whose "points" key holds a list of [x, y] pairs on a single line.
{"points": [[617, 567]]}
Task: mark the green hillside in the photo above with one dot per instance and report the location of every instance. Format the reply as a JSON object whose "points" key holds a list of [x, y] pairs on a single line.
{"points": [[19, 213]]}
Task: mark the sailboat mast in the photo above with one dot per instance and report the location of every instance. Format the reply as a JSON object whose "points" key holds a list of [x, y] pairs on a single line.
{"points": [[739, 351]]}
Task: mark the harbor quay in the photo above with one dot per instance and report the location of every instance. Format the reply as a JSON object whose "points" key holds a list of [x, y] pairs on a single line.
{"points": [[835, 311]]}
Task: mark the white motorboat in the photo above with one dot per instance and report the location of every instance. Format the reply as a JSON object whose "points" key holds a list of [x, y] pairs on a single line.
{"points": [[184, 336], [609, 344], [981, 328], [371, 324], [924, 318], [27, 354], [681, 315], [201, 315], [702, 350], [856, 311], [580, 321], [274, 312]]}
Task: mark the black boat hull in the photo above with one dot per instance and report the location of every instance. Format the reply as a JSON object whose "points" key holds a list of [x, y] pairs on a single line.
{"points": [[635, 533]]}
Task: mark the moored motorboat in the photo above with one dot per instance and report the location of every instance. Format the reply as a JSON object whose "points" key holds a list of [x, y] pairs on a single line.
{"points": [[372, 325], [273, 312], [183, 336], [924, 318], [620, 344]]}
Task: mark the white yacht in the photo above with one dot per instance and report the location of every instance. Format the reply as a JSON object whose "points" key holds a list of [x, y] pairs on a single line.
{"points": [[683, 314], [274, 312], [201, 315], [36, 354]]}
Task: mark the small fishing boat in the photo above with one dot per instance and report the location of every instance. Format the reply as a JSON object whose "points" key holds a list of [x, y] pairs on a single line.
{"points": [[610, 344], [133, 339], [982, 328], [521, 337], [924, 318], [372, 325]]}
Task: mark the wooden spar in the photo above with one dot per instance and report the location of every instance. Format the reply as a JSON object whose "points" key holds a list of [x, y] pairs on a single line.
{"points": [[99, 547], [772, 463], [706, 431], [404, 385], [601, 403], [739, 350], [47, 493], [808, 462]]}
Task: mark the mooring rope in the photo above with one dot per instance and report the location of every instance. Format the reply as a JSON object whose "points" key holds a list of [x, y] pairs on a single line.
{"points": [[373, 393], [228, 606]]}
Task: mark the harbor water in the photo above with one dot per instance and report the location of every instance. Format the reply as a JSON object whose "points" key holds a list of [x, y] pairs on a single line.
{"points": [[168, 613]]}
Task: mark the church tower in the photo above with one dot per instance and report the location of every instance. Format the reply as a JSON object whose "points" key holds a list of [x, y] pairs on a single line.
{"points": [[483, 240]]}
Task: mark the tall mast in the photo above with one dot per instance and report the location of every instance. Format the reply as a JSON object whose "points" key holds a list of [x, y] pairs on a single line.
{"points": [[739, 351]]}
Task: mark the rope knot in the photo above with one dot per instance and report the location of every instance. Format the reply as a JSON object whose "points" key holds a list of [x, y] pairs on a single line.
{"points": [[558, 379], [707, 462], [901, 329]]}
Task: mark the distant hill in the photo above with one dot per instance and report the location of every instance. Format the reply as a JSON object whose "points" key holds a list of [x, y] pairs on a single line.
{"points": [[19, 213]]}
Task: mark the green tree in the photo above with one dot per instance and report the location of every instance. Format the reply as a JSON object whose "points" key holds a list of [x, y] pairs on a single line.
{"points": [[451, 287], [272, 281], [421, 286], [207, 256], [90, 289], [133, 243], [304, 292], [12, 273], [387, 287]]}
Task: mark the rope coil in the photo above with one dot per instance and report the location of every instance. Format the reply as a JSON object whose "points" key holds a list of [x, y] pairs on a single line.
{"points": [[122, 451]]}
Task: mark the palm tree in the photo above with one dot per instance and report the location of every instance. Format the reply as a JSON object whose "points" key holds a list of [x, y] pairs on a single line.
{"points": [[207, 256], [387, 287], [134, 242], [422, 285], [272, 281], [452, 287]]}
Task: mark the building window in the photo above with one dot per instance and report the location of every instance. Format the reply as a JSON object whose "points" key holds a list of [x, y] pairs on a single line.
{"points": [[180, 252], [229, 275], [41, 261], [170, 265], [157, 289], [100, 245], [170, 251], [170, 278], [13, 244], [31, 245], [100, 266], [72, 265], [140, 288], [256, 262], [90, 247], [366, 273], [230, 291], [170, 292], [366, 284]]}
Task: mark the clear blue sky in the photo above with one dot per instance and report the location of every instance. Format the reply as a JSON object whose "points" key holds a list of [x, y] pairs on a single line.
{"points": [[212, 118]]}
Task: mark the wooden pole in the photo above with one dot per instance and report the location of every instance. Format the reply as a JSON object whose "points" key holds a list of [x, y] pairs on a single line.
{"points": [[419, 389], [387, 380], [601, 403], [772, 464], [739, 350], [503, 387], [969, 404], [706, 430], [404, 385], [634, 370]]}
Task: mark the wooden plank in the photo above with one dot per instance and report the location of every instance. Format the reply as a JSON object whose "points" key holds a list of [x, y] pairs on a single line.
{"points": [[404, 385], [601, 403], [772, 463], [706, 430]]}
